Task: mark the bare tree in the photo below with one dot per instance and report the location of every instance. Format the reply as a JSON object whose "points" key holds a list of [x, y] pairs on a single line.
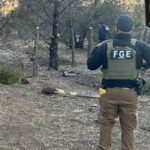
{"points": [[54, 38], [72, 36]]}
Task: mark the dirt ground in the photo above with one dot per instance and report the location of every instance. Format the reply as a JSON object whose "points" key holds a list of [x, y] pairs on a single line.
{"points": [[30, 120]]}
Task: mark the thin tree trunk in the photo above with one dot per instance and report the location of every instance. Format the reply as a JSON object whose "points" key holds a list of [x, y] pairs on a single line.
{"points": [[72, 37], [90, 40], [54, 39], [36, 45]]}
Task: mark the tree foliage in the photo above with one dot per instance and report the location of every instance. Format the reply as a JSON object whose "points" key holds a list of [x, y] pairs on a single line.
{"points": [[7, 6]]}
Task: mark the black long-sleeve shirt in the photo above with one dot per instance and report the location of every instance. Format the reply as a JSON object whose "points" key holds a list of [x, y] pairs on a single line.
{"points": [[98, 58]]}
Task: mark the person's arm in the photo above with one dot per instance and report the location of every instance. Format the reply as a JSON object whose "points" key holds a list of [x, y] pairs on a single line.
{"points": [[96, 58]]}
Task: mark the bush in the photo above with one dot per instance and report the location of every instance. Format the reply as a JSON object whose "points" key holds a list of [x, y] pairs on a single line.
{"points": [[9, 75]]}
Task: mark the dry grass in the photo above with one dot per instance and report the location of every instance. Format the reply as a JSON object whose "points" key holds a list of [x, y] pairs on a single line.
{"points": [[30, 120]]}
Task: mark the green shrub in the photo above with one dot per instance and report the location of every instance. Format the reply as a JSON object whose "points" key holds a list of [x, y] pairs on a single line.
{"points": [[146, 88], [9, 75]]}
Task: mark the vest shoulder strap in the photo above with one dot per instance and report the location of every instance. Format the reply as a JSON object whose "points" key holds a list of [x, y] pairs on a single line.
{"points": [[110, 43], [133, 42]]}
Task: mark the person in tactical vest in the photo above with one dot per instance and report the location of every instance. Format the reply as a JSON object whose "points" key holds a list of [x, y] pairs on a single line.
{"points": [[120, 60], [103, 32]]}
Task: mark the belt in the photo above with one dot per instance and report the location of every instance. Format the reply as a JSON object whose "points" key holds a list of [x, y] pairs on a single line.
{"points": [[122, 88], [126, 88]]}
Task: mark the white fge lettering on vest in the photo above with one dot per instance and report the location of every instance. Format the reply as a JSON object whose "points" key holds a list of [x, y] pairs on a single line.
{"points": [[122, 54], [115, 54], [128, 54]]}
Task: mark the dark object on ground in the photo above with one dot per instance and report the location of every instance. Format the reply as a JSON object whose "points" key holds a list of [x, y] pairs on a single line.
{"points": [[25, 81], [49, 91], [96, 121], [32, 59]]}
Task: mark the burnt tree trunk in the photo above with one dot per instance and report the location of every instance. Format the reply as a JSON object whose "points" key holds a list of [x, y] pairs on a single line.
{"points": [[54, 39]]}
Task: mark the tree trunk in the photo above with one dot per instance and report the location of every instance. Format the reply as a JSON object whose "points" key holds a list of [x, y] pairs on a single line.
{"points": [[147, 12], [90, 40], [54, 39], [35, 61], [80, 42], [72, 37]]}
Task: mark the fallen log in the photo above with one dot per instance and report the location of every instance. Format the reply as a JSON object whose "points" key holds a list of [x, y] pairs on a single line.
{"points": [[88, 94]]}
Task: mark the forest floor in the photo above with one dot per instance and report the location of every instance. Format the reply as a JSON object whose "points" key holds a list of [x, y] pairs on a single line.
{"points": [[30, 120]]}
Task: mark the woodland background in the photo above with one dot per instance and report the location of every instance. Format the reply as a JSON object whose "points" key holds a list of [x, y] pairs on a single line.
{"points": [[66, 21]]}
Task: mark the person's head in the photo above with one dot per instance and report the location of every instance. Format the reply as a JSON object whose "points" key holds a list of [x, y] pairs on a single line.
{"points": [[124, 24]]}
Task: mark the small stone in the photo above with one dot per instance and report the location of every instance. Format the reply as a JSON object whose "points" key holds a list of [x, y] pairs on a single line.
{"points": [[94, 105], [78, 111]]}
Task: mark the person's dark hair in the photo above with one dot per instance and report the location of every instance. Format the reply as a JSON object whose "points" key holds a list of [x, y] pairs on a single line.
{"points": [[124, 23]]}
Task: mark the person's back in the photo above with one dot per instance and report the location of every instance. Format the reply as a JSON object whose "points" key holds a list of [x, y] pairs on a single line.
{"points": [[103, 32], [121, 61]]}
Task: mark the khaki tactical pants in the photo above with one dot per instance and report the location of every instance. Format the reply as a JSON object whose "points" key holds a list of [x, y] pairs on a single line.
{"points": [[122, 102]]}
